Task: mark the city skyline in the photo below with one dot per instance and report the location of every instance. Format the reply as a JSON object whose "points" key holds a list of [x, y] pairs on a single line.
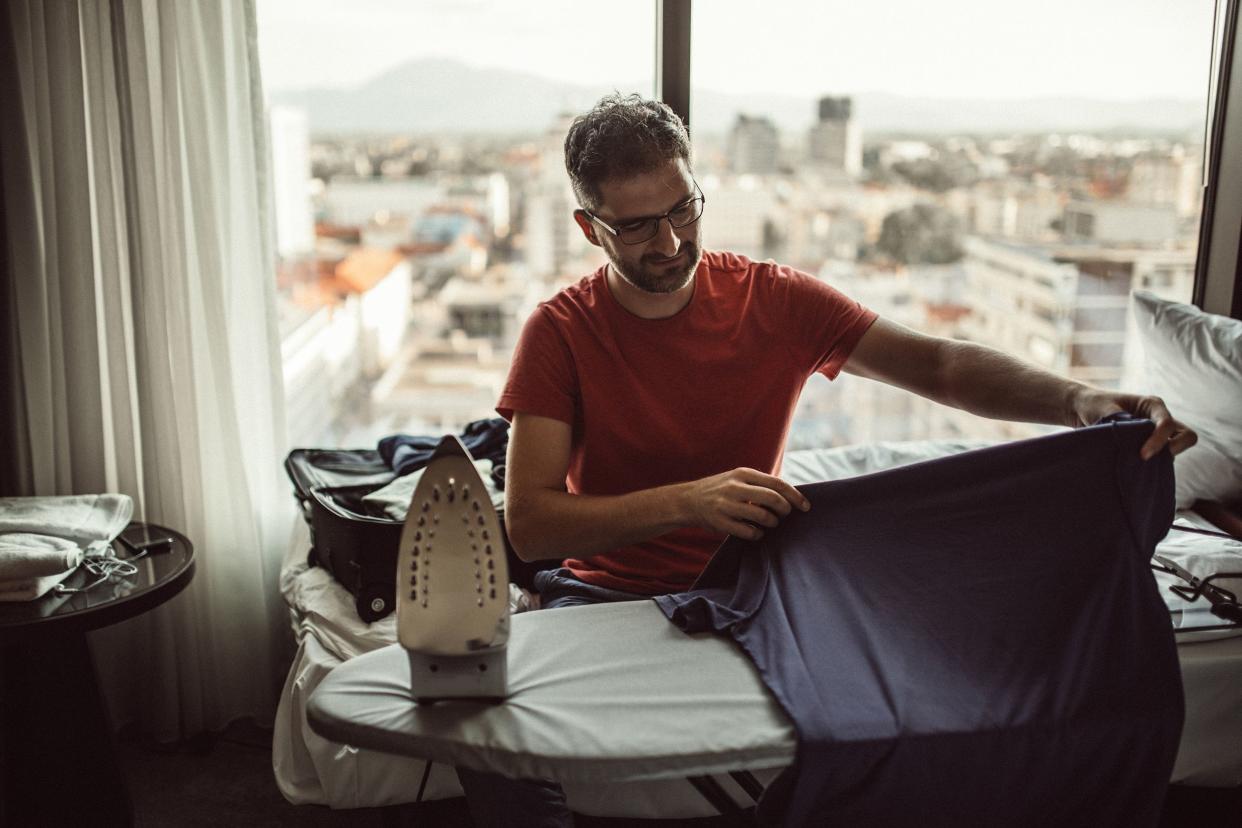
{"points": [[1002, 240], [439, 95]]}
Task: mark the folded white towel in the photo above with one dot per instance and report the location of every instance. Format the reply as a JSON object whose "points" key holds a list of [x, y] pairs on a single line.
{"points": [[29, 589], [84, 519], [25, 555]]}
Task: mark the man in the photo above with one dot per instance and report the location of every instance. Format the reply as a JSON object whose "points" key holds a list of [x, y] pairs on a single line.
{"points": [[651, 400]]}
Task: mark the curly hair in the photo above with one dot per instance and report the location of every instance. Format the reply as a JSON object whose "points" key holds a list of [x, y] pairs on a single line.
{"points": [[621, 136]]}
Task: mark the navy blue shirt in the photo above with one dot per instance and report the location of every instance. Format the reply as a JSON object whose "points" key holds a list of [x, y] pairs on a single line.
{"points": [[974, 640]]}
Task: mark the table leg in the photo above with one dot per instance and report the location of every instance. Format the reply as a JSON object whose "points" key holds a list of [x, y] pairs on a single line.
{"points": [[58, 759]]}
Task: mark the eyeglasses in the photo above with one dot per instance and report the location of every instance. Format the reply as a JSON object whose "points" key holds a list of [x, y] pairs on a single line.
{"points": [[645, 229]]}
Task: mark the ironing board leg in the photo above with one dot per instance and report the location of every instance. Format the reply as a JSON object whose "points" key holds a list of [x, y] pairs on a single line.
{"points": [[714, 794], [748, 783]]}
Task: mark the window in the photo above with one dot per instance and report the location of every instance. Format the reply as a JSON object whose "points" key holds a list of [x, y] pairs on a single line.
{"points": [[967, 168], [1009, 181], [421, 202]]}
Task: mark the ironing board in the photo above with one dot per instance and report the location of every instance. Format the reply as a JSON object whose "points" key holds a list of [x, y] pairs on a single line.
{"points": [[615, 693], [602, 693]]}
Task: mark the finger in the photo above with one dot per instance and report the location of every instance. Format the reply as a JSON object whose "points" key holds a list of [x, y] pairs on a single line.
{"points": [[767, 498], [1165, 426], [739, 529], [781, 487], [791, 494], [753, 513], [1182, 439]]}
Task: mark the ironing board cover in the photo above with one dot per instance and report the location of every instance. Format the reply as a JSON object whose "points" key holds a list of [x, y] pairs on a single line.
{"points": [[611, 692]]}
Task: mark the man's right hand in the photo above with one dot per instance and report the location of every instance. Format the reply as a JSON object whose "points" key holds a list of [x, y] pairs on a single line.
{"points": [[545, 521], [740, 502]]}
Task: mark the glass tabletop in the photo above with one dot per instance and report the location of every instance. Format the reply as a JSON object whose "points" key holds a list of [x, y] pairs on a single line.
{"points": [[160, 574]]}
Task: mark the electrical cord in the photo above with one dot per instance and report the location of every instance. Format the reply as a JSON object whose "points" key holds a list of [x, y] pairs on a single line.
{"points": [[103, 566], [1198, 531]]}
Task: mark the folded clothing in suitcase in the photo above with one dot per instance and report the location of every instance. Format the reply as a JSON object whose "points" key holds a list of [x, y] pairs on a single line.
{"points": [[353, 501]]}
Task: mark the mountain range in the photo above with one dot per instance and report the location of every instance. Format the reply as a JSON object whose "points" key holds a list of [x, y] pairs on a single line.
{"points": [[439, 96]]}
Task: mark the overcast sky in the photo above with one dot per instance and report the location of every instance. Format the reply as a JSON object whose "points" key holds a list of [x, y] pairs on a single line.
{"points": [[1120, 49]]}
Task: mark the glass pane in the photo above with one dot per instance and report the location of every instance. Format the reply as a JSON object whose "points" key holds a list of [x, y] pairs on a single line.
{"points": [[968, 168], [421, 202]]}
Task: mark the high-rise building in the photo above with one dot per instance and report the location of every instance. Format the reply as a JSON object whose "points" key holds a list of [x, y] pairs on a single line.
{"points": [[290, 143], [1065, 308], [744, 213], [1172, 178], [754, 146], [498, 205], [835, 141], [553, 239]]}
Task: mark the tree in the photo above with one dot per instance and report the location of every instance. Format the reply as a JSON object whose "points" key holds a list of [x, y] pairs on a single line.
{"points": [[938, 175], [922, 234]]}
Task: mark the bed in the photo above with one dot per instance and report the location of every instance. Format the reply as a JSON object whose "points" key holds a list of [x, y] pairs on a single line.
{"points": [[311, 769]]}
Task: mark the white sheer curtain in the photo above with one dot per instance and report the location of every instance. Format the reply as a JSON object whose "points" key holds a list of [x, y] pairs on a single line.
{"points": [[141, 339]]}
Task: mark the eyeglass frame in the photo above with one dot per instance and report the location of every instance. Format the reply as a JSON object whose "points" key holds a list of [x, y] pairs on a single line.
{"points": [[656, 219]]}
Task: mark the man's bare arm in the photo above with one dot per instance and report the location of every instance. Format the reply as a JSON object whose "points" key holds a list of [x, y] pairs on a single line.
{"points": [[544, 520], [993, 384]]}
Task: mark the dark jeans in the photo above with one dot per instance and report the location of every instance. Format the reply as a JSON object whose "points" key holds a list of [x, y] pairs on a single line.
{"points": [[497, 801]]}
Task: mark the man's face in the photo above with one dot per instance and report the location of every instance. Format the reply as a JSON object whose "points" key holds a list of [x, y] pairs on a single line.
{"points": [[666, 262]]}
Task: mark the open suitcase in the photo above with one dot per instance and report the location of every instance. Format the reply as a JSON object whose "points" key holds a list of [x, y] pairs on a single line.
{"points": [[357, 547]]}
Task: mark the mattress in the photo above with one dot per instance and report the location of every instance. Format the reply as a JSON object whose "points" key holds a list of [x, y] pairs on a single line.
{"points": [[311, 769]]}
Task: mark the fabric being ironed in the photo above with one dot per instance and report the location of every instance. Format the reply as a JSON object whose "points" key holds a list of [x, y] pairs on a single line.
{"points": [[974, 640]]}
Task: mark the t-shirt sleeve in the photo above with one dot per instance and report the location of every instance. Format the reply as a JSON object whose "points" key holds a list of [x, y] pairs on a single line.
{"points": [[542, 377], [824, 324], [728, 592]]}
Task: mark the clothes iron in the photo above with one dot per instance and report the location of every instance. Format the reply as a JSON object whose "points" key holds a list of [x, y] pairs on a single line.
{"points": [[453, 583]]}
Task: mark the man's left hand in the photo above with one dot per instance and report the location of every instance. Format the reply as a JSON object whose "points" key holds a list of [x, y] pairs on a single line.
{"points": [[1093, 404]]}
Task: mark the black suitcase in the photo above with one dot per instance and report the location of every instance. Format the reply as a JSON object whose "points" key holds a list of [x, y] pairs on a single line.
{"points": [[358, 548]]}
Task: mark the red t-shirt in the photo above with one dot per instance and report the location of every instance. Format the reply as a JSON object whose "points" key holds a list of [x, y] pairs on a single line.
{"points": [[659, 401]]}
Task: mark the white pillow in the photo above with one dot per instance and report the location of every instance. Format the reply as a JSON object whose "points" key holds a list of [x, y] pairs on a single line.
{"points": [[1193, 361]]}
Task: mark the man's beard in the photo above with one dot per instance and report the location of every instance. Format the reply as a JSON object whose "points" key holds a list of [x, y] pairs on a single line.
{"points": [[647, 275]]}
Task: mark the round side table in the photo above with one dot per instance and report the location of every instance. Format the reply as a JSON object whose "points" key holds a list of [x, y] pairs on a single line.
{"points": [[58, 761]]}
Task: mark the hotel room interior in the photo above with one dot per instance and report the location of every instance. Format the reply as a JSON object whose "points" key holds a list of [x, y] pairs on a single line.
{"points": [[165, 280]]}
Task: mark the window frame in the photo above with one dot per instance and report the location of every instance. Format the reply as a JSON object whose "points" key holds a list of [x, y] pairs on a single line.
{"points": [[1218, 269], [672, 56]]}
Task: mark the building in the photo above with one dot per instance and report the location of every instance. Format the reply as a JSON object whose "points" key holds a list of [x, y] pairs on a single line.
{"points": [[1105, 348], [754, 146], [552, 237], [1065, 309], [290, 143], [835, 141], [350, 334], [745, 215], [1010, 209], [357, 201], [853, 410], [1120, 223], [1172, 178]]}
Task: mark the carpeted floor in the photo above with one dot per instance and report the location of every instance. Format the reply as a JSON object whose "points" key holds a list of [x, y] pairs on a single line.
{"points": [[227, 780]]}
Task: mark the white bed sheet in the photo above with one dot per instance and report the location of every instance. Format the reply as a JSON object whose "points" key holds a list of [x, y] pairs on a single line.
{"points": [[310, 769]]}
